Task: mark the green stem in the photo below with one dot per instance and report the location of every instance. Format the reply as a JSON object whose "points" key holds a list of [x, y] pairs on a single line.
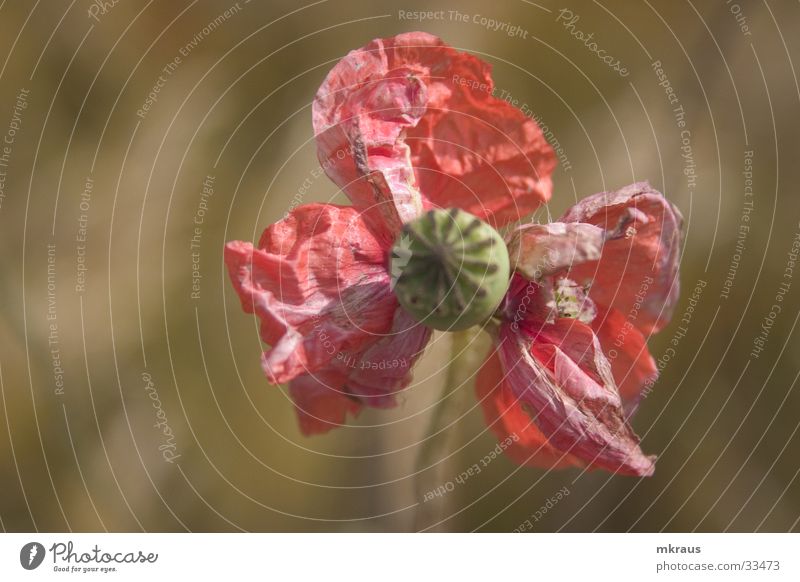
{"points": [[468, 351]]}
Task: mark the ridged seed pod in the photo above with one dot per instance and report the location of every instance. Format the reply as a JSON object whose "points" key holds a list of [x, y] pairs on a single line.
{"points": [[450, 270]]}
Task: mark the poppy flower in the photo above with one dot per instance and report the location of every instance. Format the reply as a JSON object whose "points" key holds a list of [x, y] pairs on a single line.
{"points": [[404, 126], [433, 163]]}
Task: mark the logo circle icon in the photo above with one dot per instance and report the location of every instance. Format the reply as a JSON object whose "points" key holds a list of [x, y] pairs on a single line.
{"points": [[31, 555]]}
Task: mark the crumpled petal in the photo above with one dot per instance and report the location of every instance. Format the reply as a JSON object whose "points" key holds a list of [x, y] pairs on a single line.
{"points": [[626, 349], [409, 114], [528, 302], [384, 368], [538, 250], [508, 420], [576, 407], [320, 403], [572, 352], [638, 270], [370, 378], [360, 115], [318, 283]]}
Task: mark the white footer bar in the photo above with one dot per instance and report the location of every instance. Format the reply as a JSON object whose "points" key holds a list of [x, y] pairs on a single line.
{"points": [[404, 557]]}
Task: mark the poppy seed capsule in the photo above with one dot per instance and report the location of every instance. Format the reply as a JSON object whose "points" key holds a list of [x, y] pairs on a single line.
{"points": [[450, 270]]}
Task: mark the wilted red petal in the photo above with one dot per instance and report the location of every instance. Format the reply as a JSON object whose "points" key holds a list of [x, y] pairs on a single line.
{"points": [[528, 303], [410, 113], [360, 115], [320, 403], [626, 348], [508, 420], [538, 250], [638, 270], [371, 378], [476, 152], [572, 353], [384, 368], [319, 285], [577, 413]]}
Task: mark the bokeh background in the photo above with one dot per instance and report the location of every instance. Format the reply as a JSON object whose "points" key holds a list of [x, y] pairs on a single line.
{"points": [[90, 184]]}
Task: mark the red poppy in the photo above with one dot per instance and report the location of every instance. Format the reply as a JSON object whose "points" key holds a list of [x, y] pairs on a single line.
{"points": [[408, 124], [402, 125]]}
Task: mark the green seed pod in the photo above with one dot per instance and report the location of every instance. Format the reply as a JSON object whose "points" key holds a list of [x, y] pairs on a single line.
{"points": [[450, 270]]}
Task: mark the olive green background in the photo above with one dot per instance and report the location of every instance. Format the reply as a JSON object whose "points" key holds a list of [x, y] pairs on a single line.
{"points": [[237, 107]]}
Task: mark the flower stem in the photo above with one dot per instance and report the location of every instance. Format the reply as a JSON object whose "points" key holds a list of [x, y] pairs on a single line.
{"points": [[468, 350]]}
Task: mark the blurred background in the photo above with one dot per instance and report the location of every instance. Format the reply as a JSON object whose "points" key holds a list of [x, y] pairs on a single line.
{"points": [[132, 400]]}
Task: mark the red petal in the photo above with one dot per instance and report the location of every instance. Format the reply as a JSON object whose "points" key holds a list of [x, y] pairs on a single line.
{"points": [[384, 369], [476, 152], [319, 285], [360, 115], [626, 348], [577, 413], [412, 94], [508, 420], [538, 250], [370, 378], [638, 271], [572, 352], [320, 403]]}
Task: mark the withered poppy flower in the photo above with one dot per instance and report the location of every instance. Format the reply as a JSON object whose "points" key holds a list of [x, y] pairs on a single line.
{"points": [[433, 163]]}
